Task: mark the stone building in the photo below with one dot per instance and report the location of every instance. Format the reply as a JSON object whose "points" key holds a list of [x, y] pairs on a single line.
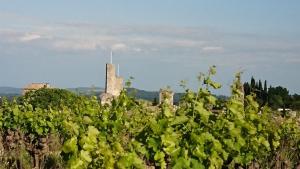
{"points": [[34, 86], [113, 84], [166, 95]]}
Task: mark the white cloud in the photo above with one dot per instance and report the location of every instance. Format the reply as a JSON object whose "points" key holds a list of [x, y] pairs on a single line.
{"points": [[212, 48], [75, 45], [137, 49], [156, 41], [118, 46], [30, 37], [70, 37], [189, 43], [293, 60]]}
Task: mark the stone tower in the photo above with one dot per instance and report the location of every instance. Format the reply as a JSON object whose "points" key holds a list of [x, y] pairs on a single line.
{"points": [[113, 84], [167, 96]]}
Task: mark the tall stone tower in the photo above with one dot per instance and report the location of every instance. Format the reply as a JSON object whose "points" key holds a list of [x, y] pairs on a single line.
{"points": [[113, 84]]}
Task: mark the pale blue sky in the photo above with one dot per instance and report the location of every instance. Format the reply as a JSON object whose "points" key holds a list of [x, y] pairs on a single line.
{"points": [[67, 43]]}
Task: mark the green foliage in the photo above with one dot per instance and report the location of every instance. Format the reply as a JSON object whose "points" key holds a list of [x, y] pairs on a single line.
{"points": [[128, 134], [274, 97], [54, 98]]}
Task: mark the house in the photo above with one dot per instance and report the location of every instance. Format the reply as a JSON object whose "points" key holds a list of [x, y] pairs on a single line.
{"points": [[34, 86]]}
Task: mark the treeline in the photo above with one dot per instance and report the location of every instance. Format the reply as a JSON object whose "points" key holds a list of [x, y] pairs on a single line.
{"points": [[275, 97]]}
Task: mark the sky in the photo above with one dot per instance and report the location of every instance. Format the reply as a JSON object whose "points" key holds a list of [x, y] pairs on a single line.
{"points": [[159, 42]]}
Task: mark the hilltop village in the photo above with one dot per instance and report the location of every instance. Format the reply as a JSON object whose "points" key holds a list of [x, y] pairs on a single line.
{"points": [[113, 87]]}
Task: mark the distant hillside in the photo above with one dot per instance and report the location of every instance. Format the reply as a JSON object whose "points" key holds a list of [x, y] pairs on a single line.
{"points": [[87, 90], [140, 94], [11, 92], [150, 95], [143, 94]]}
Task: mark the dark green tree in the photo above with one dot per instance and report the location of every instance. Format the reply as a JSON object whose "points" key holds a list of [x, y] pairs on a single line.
{"points": [[265, 87], [260, 88], [265, 93], [55, 98], [155, 102], [252, 85], [247, 89], [295, 104], [278, 97]]}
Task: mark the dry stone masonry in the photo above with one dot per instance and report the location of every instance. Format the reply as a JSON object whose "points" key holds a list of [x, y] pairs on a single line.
{"points": [[113, 84], [35, 86], [167, 96]]}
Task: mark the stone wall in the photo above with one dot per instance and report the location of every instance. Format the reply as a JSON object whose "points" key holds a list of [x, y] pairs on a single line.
{"points": [[118, 85], [110, 78], [113, 84], [167, 96], [34, 86]]}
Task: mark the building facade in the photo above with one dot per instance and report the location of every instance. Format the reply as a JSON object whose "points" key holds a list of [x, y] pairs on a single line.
{"points": [[35, 86]]}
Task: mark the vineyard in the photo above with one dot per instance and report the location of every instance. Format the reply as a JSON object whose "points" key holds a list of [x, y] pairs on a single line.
{"points": [[53, 128]]}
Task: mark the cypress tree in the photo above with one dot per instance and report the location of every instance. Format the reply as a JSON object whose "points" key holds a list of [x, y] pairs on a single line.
{"points": [[265, 93], [260, 89], [252, 84], [247, 89]]}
